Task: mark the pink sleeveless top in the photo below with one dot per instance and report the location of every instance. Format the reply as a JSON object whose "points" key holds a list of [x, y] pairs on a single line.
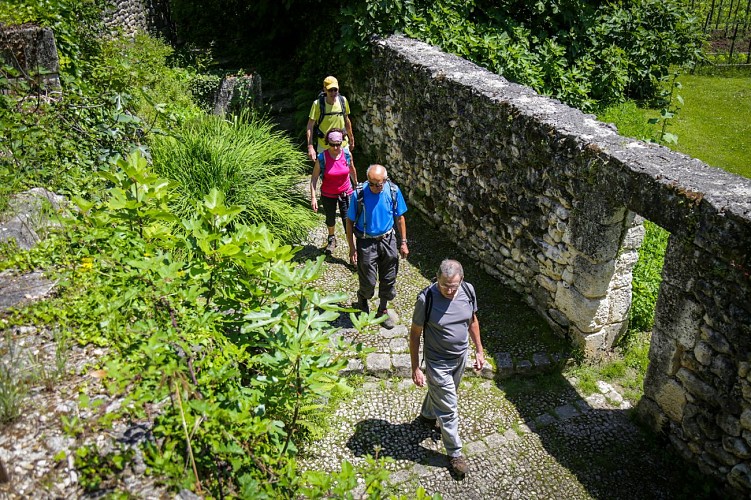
{"points": [[336, 178]]}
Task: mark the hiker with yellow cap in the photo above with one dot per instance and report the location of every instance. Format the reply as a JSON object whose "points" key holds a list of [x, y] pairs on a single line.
{"points": [[329, 110]]}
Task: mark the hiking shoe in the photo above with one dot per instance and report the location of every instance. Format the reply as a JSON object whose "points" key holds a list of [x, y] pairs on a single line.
{"points": [[459, 465], [331, 246], [389, 323], [362, 305], [428, 422]]}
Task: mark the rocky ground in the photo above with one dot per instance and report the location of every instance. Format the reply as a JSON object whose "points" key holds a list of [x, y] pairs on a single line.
{"points": [[525, 437]]}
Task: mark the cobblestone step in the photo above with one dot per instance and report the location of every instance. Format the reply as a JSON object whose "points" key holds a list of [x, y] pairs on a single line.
{"points": [[390, 358]]}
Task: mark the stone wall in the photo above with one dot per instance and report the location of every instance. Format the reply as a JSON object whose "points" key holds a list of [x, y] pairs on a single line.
{"points": [[32, 51], [546, 199], [130, 16]]}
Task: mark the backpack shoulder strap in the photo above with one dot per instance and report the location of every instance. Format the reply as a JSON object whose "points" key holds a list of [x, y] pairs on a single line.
{"points": [[321, 106], [322, 162], [470, 294], [359, 191], [348, 158], [344, 108], [428, 305], [393, 189]]}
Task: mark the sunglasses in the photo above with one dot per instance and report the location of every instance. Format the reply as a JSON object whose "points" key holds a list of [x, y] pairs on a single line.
{"points": [[332, 90], [335, 144]]}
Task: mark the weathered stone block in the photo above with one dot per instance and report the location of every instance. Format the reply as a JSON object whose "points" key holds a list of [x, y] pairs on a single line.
{"points": [[723, 368], [402, 365], [715, 339], [620, 303], [716, 451], [504, 363], [736, 446], [745, 419], [354, 366], [523, 366], [541, 361], [703, 353], [592, 280], [378, 364], [589, 315], [678, 316], [729, 424], [697, 386], [740, 476], [634, 237], [398, 345], [597, 242], [672, 399]]}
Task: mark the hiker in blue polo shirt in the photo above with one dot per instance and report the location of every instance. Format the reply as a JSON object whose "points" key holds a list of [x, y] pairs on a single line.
{"points": [[446, 316], [376, 207]]}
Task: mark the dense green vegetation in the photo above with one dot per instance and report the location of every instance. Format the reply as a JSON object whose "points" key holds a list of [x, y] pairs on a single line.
{"points": [[579, 52], [209, 313], [254, 166], [196, 308]]}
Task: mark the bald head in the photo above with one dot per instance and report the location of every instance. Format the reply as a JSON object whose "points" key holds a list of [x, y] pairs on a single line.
{"points": [[377, 176], [377, 173]]}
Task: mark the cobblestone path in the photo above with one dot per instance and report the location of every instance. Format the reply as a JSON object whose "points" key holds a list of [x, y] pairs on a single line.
{"points": [[527, 431]]}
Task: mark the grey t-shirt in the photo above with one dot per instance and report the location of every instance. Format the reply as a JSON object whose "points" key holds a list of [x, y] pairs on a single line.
{"points": [[447, 330]]}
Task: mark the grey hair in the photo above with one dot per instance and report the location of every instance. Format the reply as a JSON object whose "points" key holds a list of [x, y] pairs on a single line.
{"points": [[450, 268]]}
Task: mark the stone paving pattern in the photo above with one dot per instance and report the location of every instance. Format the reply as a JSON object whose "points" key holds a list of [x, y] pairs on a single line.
{"points": [[585, 448], [543, 440]]}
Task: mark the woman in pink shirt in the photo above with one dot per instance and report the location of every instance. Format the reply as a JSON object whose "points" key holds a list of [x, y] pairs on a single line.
{"points": [[337, 171]]}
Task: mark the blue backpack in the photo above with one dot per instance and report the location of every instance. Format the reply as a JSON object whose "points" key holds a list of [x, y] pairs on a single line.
{"points": [[322, 161], [361, 201]]}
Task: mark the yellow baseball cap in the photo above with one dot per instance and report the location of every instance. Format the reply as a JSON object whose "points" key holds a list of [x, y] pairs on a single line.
{"points": [[330, 83]]}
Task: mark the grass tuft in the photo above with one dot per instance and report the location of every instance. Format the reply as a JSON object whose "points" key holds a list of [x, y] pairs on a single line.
{"points": [[12, 384], [256, 168]]}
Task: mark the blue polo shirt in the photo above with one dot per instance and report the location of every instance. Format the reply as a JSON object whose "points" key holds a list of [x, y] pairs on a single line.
{"points": [[378, 211]]}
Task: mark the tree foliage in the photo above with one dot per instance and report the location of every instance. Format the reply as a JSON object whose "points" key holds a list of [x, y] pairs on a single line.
{"points": [[586, 54]]}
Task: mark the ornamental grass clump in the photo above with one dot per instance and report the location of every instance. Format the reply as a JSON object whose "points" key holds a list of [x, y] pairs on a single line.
{"points": [[256, 167]]}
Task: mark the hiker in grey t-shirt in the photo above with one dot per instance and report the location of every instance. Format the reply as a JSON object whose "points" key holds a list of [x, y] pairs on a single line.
{"points": [[450, 306]]}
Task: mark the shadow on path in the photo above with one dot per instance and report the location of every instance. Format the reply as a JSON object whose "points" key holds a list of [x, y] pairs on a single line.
{"points": [[402, 441]]}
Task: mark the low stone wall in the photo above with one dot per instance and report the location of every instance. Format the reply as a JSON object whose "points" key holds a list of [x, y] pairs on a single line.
{"points": [[546, 199], [32, 51]]}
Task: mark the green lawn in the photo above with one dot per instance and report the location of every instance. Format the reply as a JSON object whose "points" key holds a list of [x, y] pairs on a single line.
{"points": [[714, 124]]}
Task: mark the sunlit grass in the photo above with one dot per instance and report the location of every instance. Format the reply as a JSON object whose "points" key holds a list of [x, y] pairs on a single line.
{"points": [[714, 124]]}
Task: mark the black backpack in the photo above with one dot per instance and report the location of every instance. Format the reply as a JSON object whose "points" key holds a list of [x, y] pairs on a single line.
{"points": [[429, 300], [322, 106]]}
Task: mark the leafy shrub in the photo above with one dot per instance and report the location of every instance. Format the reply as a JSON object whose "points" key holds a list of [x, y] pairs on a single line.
{"points": [[203, 87], [77, 24], [60, 140], [58, 143], [257, 168], [218, 327], [136, 70], [571, 50]]}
